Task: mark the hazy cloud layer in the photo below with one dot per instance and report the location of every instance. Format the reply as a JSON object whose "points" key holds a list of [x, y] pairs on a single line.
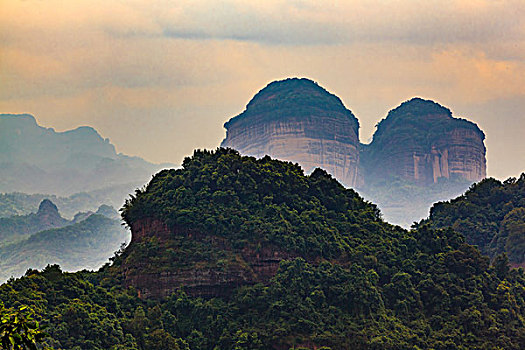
{"points": [[160, 78]]}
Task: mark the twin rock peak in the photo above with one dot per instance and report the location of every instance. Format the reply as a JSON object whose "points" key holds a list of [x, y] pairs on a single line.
{"points": [[297, 120]]}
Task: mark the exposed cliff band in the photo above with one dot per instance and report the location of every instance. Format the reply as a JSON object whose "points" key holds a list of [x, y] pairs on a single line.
{"points": [[420, 141], [299, 121]]}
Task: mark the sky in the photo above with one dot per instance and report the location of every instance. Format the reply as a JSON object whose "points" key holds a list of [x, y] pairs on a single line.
{"points": [[160, 78]]}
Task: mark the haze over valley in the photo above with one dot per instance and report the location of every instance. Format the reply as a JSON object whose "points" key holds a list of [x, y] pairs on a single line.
{"points": [[277, 175]]}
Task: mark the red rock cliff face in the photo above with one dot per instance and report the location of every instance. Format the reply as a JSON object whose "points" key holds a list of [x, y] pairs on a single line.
{"points": [[420, 141], [296, 120], [207, 278], [466, 154]]}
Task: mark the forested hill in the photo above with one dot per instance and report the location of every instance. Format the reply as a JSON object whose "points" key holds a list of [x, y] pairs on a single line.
{"points": [[343, 278], [491, 215]]}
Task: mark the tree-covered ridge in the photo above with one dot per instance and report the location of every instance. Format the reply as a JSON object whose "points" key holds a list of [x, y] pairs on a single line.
{"points": [[294, 97], [245, 199], [370, 285], [87, 244], [19, 227], [491, 215]]}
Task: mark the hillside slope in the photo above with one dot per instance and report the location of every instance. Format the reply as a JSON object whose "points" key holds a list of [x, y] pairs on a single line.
{"points": [[232, 252], [85, 245], [491, 215]]}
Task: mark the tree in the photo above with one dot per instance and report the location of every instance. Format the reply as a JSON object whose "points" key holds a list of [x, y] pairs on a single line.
{"points": [[19, 330]]}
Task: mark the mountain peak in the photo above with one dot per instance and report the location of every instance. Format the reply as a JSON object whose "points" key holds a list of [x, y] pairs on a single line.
{"points": [[47, 207], [293, 97], [419, 107], [298, 120]]}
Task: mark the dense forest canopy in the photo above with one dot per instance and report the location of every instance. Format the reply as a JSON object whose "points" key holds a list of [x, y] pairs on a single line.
{"points": [[421, 122], [294, 98], [355, 281], [248, 200], [491, 215]]}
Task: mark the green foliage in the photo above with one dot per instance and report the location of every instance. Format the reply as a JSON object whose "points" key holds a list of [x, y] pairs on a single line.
{"points": [[353, 282], [294, 98], [248, 201], [491, 215], [19, 329]]}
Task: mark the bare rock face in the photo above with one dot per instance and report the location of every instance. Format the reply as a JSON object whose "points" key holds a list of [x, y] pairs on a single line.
{"points": [[419, 151], [297, 120], [48, 215], [420, 141], [215, 275]]}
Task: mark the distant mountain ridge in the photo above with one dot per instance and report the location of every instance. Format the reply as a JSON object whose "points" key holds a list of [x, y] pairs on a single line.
{"points": [[34, 159], [45, 237], [16, 227], [420, 152], [17, 203]]}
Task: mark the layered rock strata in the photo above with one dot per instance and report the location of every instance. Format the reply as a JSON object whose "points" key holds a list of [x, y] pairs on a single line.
{"points": [[420, 141], [202, 278], [299, 121]]}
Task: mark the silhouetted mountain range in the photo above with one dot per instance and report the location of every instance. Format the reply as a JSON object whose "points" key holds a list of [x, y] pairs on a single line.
{"points": [[34, 159]]}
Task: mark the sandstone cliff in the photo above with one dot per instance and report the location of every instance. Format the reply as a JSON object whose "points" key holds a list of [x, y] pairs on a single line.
{"points": [[420, 141], [217, 274], [224, 220], [299, 121], [420, 153]]}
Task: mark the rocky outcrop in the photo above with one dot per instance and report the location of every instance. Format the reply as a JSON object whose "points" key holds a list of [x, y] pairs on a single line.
{"points": [[16, 227], [420, 153], [48, 215], [420, 141], [299, 121], [202, 277]]}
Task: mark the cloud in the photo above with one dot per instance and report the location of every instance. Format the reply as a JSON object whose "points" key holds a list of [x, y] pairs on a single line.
{"points": [[175, 71], [313, 22]]}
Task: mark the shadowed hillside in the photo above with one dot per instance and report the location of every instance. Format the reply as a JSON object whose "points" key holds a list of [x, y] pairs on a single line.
{"points": [[491, 215]]}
